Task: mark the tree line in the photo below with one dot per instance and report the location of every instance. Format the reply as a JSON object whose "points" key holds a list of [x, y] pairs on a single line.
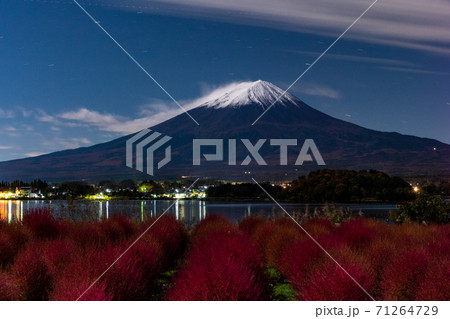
{"points": [[325, 186]]}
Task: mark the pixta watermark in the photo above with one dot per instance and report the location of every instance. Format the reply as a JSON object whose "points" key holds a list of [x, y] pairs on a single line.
{"points": [[144, 144]]}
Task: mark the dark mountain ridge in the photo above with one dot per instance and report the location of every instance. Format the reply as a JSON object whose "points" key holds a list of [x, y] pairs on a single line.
{"points": [[342, 145]]}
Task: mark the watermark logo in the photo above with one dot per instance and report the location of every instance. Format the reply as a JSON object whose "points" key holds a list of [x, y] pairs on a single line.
{"points": [[149, 141], [308, 148]]}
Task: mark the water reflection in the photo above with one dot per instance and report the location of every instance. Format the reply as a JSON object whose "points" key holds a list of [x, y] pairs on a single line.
{"points": [[188, 211], [11, 210]]}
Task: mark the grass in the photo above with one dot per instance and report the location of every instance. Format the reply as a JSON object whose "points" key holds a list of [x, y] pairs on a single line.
{"points": [[281, 289]]}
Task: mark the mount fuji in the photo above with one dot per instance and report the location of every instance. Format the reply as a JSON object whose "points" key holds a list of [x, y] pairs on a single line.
{"points": [[229, 115], [245, 93]]}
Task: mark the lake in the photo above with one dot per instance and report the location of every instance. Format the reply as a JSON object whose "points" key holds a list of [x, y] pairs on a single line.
{"points": [[188, 211]]}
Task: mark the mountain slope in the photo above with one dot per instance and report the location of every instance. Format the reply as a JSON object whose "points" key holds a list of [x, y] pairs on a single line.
{"points": [[229, 116]]}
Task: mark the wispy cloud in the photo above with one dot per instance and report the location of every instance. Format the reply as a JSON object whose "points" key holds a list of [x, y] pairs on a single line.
{"points": [[92, 117], [382, 63], [14, 134], [317, 90], [5, 147], [6, 114], [68, 143], [34, 154], [12, 112], [42, 116], [25, 112], [150, 114], [359, 59], [416, 71], [116, 123], [416, 24]]}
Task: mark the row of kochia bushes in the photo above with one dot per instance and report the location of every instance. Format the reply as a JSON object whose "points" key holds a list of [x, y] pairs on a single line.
{"points": [[47, 259]]}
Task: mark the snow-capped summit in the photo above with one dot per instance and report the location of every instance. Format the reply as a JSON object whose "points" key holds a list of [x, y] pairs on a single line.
{"points": [[246, 93]]}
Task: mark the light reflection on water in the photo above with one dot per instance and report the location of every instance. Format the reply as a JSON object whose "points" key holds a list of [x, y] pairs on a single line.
{"points": [[188, 211], [11, 210]]}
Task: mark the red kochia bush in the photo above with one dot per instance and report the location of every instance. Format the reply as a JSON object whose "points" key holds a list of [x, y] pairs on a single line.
{"points": [[31, 274], [74, 286], [131, 278], [319, 227], [117, 228], [330, 283], [100, 234], [57, 254], [134, 274], [355, 234], [41, 223], [170, 233], [262, 234], [226, 266], [405, 273], [95, 293], [210, 225], [86, 235], [12, 239], [380, 228], [76, 278], [8, 288], [298, 258], [249, 224], [284, 233], [439, 247], [378, 256], [301, 258], [435, 284], [411, 236]]}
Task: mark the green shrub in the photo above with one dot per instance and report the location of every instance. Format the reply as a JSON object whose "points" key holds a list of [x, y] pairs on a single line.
{"points": [[425, 208]]}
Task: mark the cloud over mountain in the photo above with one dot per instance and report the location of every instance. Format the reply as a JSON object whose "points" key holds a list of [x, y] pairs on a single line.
{"points": [[416, 24]]}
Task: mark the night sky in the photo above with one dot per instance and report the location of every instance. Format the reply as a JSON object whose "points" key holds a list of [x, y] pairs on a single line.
{"points": [[65, 84]]}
